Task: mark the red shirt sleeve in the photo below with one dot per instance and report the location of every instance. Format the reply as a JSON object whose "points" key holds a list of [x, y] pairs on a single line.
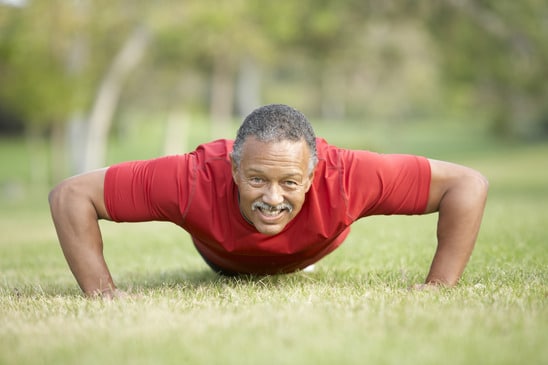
{"points": [[148, 190], [385, 183]]}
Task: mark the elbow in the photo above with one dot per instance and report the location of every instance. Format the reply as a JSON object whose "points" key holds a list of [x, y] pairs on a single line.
{"points": [[82, 193], [62, 194], [482, 184], [53, 195], [57, 195], [476, 187]]}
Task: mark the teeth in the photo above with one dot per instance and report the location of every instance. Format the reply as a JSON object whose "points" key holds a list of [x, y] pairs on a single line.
{"points": [[271, 213]]}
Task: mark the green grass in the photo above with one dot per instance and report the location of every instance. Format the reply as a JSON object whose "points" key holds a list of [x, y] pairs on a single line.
{"points": [[355, 308]]}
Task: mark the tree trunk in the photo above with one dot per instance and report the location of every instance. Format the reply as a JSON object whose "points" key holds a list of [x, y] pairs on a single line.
{"points": [[107, 98], [248, 88], [176, 133], [57, 148], [222, 98], [38, 157], [333, 93]]}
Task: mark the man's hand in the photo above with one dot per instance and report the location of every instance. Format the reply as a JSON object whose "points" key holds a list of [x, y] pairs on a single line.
{"points": [[110, 294], [76, 206], [459, 194], [425, 287]]}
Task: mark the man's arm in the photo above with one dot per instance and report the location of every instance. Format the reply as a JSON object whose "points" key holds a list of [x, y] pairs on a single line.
{"points": [[76, 206], [458, 194]]}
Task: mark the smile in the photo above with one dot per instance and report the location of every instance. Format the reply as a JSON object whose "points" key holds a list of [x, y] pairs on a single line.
{"points": [[271, 211]]}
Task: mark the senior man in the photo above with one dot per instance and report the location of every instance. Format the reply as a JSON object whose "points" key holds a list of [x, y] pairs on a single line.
{"points": [[275, 200]]}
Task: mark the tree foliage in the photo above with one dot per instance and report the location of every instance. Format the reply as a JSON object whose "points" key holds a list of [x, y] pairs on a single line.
{"points": [[495, 55], [357, 57]]}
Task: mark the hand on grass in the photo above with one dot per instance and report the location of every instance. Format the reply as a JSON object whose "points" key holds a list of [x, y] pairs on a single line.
{"points": [[426, 287], [109, 294]]}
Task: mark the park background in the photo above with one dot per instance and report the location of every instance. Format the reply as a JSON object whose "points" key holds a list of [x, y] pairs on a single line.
{"points": [[84, 84]]}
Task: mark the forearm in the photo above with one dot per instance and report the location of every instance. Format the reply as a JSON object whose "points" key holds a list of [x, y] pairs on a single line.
{"points": [[460, 214], [76, 221]]}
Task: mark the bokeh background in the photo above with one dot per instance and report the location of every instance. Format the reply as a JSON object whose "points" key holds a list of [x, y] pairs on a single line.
{"points": [[84, 84], [80, 79]]}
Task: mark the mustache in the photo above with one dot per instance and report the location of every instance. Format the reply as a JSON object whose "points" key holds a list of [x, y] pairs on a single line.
{"points": [[264, 206]]}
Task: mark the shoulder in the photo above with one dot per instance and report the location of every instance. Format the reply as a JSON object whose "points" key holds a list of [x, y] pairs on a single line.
{"points": [[218, 149], [210, 166], [332, 156], [213, 159], [349, 158], [328, 155]]}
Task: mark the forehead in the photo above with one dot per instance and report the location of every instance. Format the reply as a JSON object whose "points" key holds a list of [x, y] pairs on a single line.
{"points": [[286, 154]]}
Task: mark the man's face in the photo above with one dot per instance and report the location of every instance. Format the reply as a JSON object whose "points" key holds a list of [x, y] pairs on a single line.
{"points": [[272, 179]]}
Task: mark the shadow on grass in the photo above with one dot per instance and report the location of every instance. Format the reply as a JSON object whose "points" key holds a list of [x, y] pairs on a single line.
{"points": [[194, 279], [323, 277], [143, 282]]}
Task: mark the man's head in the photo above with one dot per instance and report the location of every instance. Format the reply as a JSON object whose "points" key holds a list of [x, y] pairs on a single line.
{"points": [[275, 123], [273, 165]]}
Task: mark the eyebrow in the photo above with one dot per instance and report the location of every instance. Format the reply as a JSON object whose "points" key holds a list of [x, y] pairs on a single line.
{"points": [[261, 171]]}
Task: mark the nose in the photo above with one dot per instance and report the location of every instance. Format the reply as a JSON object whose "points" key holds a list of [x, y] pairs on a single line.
{"points": [[273, 195]]}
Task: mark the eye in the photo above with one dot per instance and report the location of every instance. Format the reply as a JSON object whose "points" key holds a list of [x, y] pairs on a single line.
{"points": [[291, 184], [255, 180]]}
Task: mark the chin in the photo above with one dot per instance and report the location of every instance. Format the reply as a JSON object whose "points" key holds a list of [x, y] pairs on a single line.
{"points": [[270, 231]]}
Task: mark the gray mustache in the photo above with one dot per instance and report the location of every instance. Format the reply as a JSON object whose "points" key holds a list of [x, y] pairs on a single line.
{"points": [[262, 205]]}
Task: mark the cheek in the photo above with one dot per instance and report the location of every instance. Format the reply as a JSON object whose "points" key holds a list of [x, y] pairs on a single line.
{"points": [[297, 202], [248, 195]]}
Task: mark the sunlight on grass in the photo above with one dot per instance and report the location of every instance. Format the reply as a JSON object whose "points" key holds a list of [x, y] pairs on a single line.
{"points": [[310, 318]]}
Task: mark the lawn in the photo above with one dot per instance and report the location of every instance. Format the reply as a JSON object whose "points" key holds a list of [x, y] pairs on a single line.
{"points": [[354, 308]]}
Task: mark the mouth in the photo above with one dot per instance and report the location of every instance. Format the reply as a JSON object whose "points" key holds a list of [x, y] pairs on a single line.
{"points": [[270, 211]]}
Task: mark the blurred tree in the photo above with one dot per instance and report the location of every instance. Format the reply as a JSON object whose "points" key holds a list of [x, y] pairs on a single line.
{"points": [[216, 39], [114, 41], [36, 80], [54, 56], [494, 57], [108, 94], [335, 58], [320, 32], [357, 58]]}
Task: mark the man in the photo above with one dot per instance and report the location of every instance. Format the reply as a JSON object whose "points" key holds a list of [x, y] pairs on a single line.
{"points": [[275, 200]]}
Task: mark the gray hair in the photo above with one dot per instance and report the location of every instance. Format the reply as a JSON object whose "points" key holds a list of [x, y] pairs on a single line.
{"points": [[275, 123]]}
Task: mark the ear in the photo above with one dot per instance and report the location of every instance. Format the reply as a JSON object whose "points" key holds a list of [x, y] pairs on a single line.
{"points": [[234, 169], [310, 180]]}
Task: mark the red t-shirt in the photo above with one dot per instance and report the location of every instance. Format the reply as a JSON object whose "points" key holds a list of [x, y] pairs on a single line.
{"points": [[196, 191]]}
